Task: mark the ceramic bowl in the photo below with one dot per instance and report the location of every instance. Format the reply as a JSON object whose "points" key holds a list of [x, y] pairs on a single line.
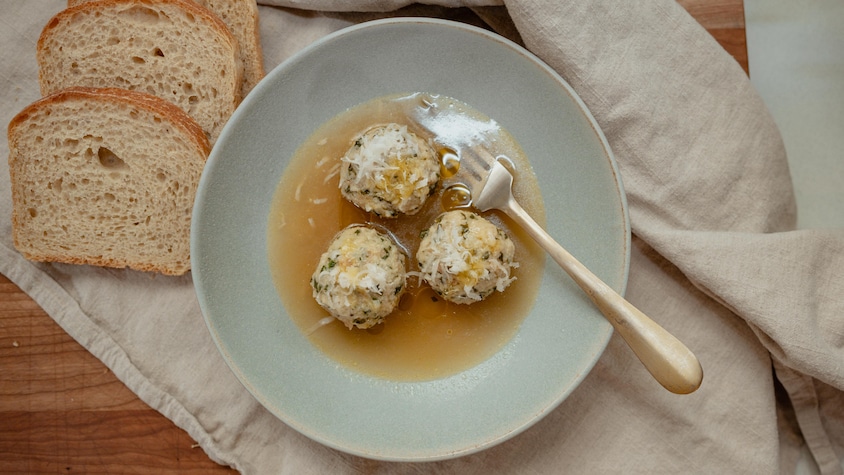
{"points": [[558, 342]]}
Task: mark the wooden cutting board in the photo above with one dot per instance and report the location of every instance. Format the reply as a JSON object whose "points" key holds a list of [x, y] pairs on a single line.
{"points": [[63, 411]]}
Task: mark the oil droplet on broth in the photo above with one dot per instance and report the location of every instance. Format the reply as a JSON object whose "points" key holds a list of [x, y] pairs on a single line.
{"points": [[456, 197], [449, 162]]}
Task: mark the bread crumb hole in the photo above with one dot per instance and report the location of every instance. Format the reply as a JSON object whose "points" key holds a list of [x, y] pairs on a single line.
{"points": [[138, 60], [142, 14], [109, 160], [109, 197], [161, 176], [158, 52], [32, 212]]}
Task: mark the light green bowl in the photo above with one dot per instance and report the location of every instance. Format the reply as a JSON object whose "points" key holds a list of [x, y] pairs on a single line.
{"points": [[559, 341]]}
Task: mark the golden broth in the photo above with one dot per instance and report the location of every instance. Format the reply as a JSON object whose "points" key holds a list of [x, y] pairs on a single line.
{"points": [[426, 337]]}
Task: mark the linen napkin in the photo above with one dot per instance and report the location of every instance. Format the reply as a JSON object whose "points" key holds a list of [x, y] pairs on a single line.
{"points": [[715, 260]]}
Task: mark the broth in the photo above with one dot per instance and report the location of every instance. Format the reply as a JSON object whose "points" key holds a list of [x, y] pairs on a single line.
{"points": [[426, 337]]}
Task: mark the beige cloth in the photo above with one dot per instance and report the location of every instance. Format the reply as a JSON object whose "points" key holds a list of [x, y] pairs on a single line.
{"points": [[715, 260]]}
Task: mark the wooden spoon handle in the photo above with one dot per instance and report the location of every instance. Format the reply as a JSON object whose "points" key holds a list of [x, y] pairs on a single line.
{"points": [[665, 357]]}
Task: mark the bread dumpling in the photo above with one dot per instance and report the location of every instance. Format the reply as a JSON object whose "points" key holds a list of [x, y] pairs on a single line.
{"points": [[389, 170], [360, 278], [464, 257]]}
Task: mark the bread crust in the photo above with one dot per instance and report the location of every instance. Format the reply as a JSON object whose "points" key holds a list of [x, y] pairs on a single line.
{"points": [[19, 126], [147, 101]]}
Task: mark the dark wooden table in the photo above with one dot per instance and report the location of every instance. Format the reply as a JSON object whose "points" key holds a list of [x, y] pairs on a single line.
{"points": [[63, 411]]}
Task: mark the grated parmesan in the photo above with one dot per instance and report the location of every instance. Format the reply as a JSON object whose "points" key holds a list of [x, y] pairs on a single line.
{"points": [[465, 258], [389, 170], [360, 278]]}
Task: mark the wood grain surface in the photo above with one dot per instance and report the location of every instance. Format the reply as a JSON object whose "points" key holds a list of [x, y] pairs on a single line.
{"points": [[63, 411]]}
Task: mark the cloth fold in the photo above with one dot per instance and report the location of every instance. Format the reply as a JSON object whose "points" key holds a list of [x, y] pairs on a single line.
{"points": [[715, 260]]}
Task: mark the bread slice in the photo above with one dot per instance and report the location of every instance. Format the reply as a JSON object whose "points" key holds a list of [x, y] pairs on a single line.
{"points": [[241, 16], [105, 177], [174, 49]]}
